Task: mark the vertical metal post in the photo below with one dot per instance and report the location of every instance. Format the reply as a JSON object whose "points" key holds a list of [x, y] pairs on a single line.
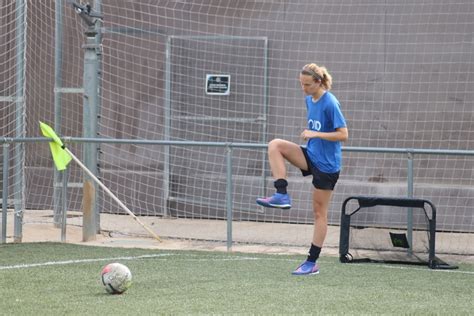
{"points": [[64, 204], [92, 50], [58, 58], [167, 127], [265, 116], [98, 41], [6, 160], [410, 196], [229, 196], [19, 174]]}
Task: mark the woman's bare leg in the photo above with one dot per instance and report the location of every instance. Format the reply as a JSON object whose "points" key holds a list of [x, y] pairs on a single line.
{"points": [[280, 150], [321, 200]]}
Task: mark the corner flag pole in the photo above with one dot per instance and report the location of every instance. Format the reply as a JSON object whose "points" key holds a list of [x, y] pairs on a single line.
{"points": [[116, 199], [60, 149]]}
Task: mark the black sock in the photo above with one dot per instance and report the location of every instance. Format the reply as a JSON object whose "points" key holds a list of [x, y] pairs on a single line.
{"points": [[314, 252], [280, 185]]}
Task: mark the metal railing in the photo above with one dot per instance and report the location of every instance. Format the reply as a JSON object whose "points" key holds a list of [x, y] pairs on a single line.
{"points": [[229, 146]]}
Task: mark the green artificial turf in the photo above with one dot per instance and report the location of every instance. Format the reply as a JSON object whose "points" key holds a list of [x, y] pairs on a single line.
{"points": [[64, 279]]}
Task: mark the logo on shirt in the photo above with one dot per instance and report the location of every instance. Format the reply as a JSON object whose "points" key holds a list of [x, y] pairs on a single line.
{"points": [[314, 125]]}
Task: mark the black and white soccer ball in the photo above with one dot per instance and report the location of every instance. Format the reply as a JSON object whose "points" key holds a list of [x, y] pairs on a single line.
{"points": [[116, 278]]}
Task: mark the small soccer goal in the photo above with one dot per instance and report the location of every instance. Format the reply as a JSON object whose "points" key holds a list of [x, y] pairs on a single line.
{"points": [[389, 230]]}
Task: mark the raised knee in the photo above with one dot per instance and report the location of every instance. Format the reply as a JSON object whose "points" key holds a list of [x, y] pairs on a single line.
{"points": [[274, 144]]}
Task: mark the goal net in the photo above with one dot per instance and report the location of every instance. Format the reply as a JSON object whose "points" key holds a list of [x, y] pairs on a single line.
{"points": [[226, 73], [389, 230]]}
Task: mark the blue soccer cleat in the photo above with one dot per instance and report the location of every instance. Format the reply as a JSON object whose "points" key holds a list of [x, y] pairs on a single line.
{"points": [[307, 268], [277, 200]]}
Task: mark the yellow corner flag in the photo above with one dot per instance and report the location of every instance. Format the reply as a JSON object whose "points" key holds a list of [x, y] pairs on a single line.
{"points": [[60, 156]]}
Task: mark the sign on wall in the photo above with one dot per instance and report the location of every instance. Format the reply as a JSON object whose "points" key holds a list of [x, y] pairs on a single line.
{"points": [[218, 84]]}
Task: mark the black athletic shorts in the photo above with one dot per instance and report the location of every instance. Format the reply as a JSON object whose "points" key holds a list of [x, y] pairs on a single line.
{"points": [[321, 180]]}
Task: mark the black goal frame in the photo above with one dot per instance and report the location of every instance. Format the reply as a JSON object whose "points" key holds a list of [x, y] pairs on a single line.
{"points": [[371, 201]]}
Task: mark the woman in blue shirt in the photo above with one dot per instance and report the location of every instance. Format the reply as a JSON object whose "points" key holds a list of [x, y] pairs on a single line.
{"points": [[321, 157]]}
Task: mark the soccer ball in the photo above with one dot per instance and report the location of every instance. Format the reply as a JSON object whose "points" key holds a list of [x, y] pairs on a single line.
{"points": [[116, 278]]}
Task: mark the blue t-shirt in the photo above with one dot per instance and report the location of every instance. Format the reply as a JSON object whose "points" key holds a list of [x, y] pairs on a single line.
{"points": [[325, 116]]}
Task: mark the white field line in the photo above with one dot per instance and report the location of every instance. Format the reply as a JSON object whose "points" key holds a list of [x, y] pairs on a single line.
{"points": [[65, 262], [188, 258], [76, 261]]}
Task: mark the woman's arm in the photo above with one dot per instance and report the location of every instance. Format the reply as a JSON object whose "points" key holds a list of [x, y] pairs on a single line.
{"points": [[341, 134]]}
